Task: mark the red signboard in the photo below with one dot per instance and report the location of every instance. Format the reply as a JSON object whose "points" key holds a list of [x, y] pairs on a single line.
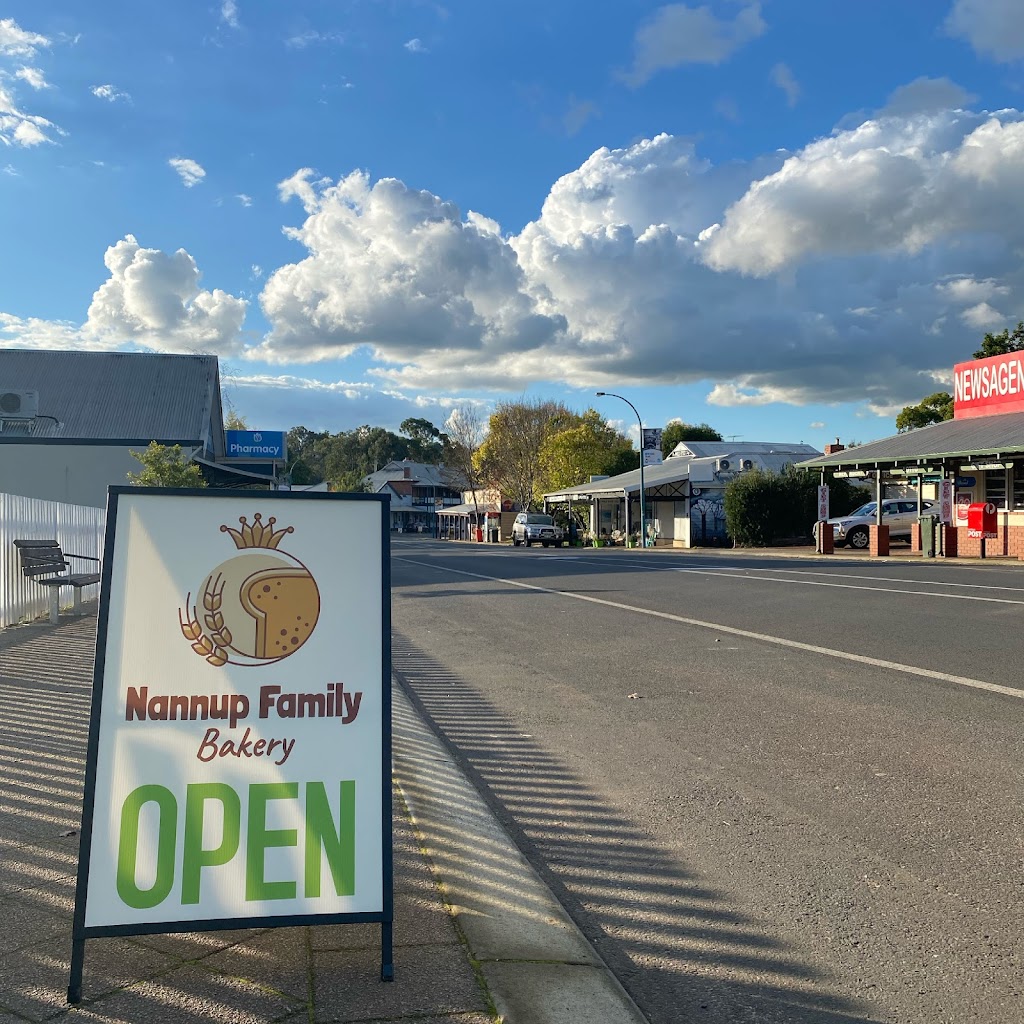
{"points": [[981, 520], [985, 387]]}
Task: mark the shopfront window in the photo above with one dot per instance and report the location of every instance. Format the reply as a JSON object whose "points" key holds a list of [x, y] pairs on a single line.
{"points": [[1018, 487], [995, 487]]}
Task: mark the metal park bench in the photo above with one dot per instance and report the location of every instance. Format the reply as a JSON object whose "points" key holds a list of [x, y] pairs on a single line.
{"points": [[44, 558]]}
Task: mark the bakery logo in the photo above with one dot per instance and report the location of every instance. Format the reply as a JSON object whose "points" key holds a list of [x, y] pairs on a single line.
{"points": [[257, 607]]}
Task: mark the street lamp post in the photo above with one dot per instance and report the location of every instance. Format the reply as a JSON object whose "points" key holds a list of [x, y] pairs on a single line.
{"points": [[643, 517]]}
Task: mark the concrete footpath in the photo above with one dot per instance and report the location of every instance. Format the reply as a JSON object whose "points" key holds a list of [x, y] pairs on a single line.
{"points": [[478, 936]]}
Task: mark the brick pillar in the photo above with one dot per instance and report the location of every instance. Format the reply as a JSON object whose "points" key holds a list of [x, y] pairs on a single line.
{"points": [[950, 536], [879, 539], [826, 542], [915, 538]]}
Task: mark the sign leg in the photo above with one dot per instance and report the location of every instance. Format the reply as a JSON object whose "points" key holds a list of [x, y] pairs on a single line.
{"points": [[77, 962], [387, 960]]}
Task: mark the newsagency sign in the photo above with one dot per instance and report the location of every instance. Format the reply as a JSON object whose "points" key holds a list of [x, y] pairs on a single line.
{"points": [[239, 750]]}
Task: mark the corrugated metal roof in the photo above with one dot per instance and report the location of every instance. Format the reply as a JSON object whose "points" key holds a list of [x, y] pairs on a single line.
{"points": [[677, 468], [978, 436], [137, 396], [422, 473]]}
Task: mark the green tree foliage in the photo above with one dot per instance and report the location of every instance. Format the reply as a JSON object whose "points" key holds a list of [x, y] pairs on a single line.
{"points": [[343, 459], [933, 409], [164, 466], [675, 432], [762, 507], [233, 420], [509, 457], [587, 446], [426, 442], [1002, 343]]}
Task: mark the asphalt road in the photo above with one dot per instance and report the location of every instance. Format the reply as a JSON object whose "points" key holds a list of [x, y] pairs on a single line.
{"points": [[811, 811]]}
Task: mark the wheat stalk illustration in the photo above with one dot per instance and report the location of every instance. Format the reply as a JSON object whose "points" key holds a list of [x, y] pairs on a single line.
{"points": [[207, 645]]}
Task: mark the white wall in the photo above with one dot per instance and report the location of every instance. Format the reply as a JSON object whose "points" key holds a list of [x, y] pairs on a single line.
{"points": [[77, 474], [78, 530]]}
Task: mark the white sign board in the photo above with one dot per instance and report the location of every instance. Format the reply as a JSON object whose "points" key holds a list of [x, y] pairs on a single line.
{"points": [[652, 457], [239, 752], [946, 501], [822, 503]]}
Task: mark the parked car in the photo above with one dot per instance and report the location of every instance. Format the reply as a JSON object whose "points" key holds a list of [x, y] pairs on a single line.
{"points": [[531, 527], [898, 514]]}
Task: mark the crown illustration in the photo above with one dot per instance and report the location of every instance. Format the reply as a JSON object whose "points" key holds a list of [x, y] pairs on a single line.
{"points": [[258, 535]]}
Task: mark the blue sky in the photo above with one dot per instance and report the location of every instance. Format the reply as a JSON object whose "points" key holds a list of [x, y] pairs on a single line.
{"points": [[787, 219]]}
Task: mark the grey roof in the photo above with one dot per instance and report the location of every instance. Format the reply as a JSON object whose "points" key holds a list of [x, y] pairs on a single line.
{"points": [[670, 471], [708, 449], [676, 468], [136, 396], [422, 473], [969, 438], [468, 509]]}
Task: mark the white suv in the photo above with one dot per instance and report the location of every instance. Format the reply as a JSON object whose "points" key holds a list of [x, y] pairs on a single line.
{"points": [[898, 514], [535, 526]]}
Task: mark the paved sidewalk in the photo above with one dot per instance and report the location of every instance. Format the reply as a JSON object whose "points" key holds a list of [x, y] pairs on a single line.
{"points": [[478, 936], [328, 973]]}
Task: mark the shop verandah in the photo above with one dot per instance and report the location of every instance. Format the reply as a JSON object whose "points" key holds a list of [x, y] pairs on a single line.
{"points": [[981, 459]]}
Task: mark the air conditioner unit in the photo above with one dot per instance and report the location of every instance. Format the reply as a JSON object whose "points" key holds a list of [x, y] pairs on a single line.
{"points": [[19, 405], [746, 464], [723, 465]]}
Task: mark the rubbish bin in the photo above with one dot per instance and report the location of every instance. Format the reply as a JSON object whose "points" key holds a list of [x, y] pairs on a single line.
{"points": [[492, 534], [929, 531]]}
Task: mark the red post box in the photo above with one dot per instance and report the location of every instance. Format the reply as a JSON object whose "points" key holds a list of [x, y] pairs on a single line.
{"points": [[981, 521]]}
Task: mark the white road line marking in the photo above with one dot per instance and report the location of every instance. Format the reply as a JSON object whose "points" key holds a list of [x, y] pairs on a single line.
{"points": [[730, 573], [861, 659], [886, 579]]}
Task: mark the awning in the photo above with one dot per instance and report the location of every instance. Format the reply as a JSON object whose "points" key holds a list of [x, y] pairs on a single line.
{"points": [[980, 437], [668, 480]]}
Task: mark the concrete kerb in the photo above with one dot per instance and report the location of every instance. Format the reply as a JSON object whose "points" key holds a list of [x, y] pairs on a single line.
{"points": [[537, 966]]}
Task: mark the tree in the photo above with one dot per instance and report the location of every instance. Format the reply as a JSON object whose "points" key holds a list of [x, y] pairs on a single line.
{"points": [[677, 431], [465, 435], [933, 409], [426, 442], [762, 507], [164, 466], [1002, 343], [232, 419], [588, 447], [510, 456]]}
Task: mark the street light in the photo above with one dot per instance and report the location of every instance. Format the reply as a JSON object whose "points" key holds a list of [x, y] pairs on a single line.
{"points": [[643, 524]]}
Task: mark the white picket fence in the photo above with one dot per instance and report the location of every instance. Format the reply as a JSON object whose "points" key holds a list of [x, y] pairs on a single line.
{"points": [[79, 530]]}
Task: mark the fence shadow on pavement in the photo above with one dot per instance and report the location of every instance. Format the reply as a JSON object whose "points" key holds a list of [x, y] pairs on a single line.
{"points": [[682, 950]]}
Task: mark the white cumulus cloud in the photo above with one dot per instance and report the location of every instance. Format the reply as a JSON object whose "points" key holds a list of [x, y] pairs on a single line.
{"points": [[32, 77], [153, 299], [415, 46], [18, 128], [994, 28], [891, 185], [190, 172], [401, 272], [677, 34], [109, 93], [18, 42]]}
